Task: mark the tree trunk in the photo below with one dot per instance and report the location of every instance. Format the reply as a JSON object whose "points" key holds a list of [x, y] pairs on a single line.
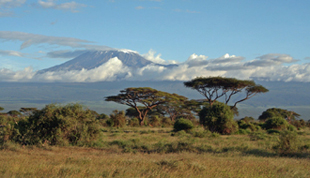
{"points": [[141, 122]]}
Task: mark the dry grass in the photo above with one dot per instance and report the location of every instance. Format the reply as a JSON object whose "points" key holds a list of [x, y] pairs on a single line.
{"points": [[224, 156], [86, 162]]}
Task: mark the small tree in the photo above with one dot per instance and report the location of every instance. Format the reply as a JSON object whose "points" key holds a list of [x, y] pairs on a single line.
{"points": [[146, 96], [278, 112], [214, 88], [218, 118]]}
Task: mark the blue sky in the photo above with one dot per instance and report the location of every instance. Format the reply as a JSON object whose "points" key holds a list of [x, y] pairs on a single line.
{"points": [[31, 29]]}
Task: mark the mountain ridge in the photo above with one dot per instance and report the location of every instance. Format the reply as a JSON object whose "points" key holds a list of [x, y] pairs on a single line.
{"points": [[92, 59]]}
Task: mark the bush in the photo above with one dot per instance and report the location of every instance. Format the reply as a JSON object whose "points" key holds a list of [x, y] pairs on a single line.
{"points": [[218, 118], [183, 124], [118, 119], [59, 125], [249, 126], [154, 121], [166, 122], [277, 123], [134, 122]]}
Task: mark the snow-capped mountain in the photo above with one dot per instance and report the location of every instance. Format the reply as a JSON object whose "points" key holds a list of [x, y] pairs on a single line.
{"points": [[92, 59]]}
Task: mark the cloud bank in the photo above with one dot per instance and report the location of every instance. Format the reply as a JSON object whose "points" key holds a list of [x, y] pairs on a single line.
{"points": [[269, 67]]}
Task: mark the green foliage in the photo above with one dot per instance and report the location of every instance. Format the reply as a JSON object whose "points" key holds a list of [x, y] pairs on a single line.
{"points": [[247, 124], [59, 125], [218, 118], [146, 96], [154, 121], [277, 123], [14, 113], [183, 124], [118, 118], [278, 112], [214, 88], [102, 117], [1, 108]]}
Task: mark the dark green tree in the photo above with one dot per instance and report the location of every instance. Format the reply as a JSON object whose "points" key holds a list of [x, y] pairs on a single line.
{"points": [[278, 112], [214, 88], [218, 118], [145, 96], [14, 113]]}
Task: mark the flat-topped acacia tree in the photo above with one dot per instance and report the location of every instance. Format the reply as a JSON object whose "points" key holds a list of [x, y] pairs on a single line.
{"points": [[214, 88], [146, 96]]}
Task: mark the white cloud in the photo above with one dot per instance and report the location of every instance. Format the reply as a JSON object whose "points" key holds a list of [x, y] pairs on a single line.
{"points": [[16, 76], [50, 4], [195, 66], [151, 55], [195, 60]]}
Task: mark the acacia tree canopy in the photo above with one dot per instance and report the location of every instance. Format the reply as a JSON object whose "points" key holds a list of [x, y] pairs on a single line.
{"points": [[214, 88], [146, 96]]}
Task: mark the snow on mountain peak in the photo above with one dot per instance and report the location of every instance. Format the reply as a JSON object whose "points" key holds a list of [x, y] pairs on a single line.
{"points": [[127, 51]]}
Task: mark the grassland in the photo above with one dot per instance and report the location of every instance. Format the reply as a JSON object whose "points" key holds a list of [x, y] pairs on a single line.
{"points": [[158, 152]]}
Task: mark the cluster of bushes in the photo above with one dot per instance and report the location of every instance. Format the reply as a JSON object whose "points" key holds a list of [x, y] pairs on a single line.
{"points": [[54, 124]]}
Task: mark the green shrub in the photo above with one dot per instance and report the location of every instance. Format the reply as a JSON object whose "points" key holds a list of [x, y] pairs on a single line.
{"points": [[118, 118], [243, 131], [273, 131], [248, 125], [59, 125], [218, 118], [183, 124], [154, 121], [133, 122], [277, 123]]}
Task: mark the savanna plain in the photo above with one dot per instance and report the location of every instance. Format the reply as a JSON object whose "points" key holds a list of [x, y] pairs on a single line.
{"points": [[160, 152]]}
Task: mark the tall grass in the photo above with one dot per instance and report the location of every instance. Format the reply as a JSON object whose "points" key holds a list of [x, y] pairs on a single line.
{"points": [[156, 152]]}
